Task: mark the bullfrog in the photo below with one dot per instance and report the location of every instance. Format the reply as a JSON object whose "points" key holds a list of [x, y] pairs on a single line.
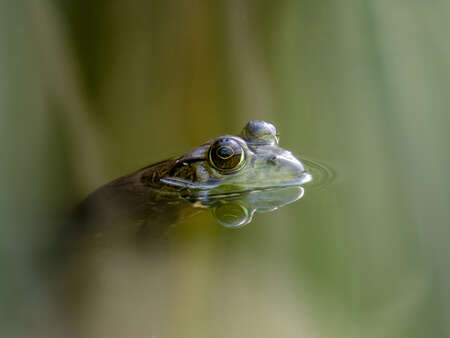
{"points": [[233, 175]]}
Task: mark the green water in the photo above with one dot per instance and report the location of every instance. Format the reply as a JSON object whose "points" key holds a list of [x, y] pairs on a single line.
{"points": [[90, 91]]}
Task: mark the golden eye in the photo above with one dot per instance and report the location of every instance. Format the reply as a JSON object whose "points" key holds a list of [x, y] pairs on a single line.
{"points": [[226, 155]]}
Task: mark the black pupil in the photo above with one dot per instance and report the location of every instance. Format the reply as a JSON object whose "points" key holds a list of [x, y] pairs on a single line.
{"points": [[225, 152]]}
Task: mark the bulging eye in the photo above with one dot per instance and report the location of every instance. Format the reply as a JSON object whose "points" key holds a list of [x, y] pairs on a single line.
{"points": [[226, 155]]}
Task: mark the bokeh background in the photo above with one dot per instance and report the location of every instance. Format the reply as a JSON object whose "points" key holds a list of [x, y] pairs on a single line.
{"points": [[92, 90]]}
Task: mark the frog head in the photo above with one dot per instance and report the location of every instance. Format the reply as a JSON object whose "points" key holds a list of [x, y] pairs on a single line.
{"points": [[233, 163]]}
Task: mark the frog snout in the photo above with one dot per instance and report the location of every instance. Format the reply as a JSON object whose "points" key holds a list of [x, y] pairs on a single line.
{"points": [[287, 162]]}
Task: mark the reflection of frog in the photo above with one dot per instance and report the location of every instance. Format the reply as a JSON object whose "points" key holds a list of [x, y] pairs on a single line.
{"points": [[167, 191], [236, 210]]}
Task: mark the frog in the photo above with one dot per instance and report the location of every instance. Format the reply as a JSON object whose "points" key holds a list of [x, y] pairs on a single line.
{"points": [[224, 169]]}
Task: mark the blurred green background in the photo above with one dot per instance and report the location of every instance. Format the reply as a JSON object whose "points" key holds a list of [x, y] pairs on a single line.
{"points": [[92, 90]]}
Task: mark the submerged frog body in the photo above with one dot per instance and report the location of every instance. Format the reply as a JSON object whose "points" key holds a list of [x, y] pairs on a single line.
{"points": [[225, 167]]}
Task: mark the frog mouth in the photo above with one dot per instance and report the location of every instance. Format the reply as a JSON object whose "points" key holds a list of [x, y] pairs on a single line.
{"points": [[217, 185]]}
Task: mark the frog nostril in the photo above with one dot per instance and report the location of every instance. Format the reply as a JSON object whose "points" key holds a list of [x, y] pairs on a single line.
{"points": [[272, 160]]}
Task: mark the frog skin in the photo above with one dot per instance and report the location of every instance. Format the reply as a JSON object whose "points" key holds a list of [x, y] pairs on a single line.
{"points": [[227, 167]]}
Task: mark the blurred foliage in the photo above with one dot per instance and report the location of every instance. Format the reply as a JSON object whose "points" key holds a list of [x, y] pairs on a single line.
{"points": [[90, 91]]}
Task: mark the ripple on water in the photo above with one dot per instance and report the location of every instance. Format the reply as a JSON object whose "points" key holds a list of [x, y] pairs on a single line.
{"points": [[322, 175]]}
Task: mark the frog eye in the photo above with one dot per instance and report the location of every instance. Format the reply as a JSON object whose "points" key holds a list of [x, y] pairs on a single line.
{"points": [[226, 155]]}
